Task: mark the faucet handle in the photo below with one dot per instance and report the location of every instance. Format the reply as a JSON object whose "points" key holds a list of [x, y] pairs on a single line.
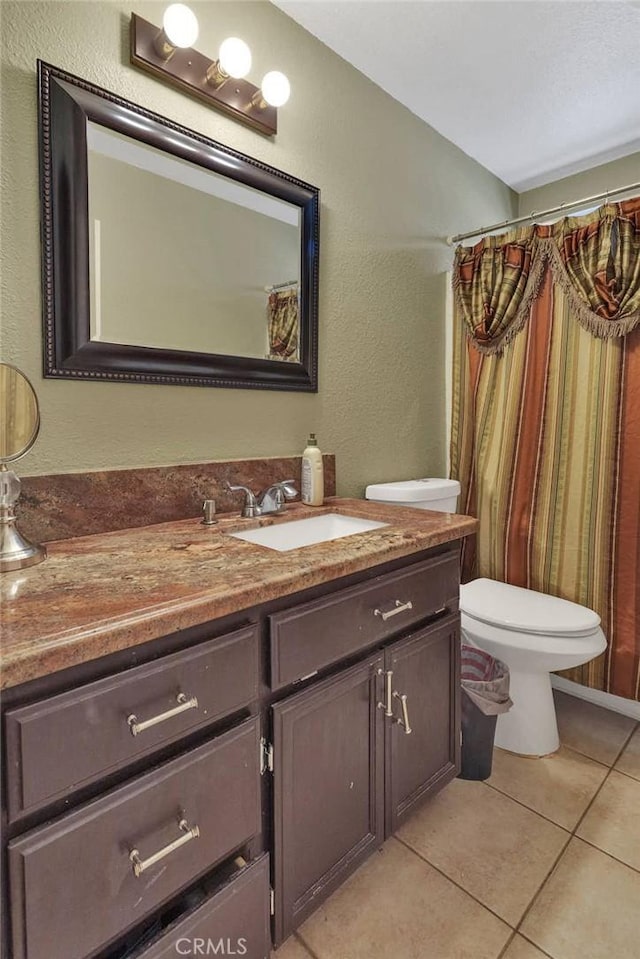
{"points": [[250, 508], [289, 489]]}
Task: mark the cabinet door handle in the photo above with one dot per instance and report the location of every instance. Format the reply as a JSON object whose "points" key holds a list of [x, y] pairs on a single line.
{"points": [[404, 722], [399, 607], [183, 705], [387, 705], [139, 865]]}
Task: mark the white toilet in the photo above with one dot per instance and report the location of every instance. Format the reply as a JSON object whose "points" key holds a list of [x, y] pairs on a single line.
{"points": [[533, 633]]}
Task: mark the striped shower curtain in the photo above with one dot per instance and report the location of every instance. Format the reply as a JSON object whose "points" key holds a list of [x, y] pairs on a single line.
{"points": [[283, 318], [546, 419]]}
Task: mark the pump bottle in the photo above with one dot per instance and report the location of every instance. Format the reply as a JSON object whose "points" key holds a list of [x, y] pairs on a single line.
{"points": [[312, 474]]}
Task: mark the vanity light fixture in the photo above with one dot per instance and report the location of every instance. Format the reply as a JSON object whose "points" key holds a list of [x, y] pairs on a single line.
{"points": [[234, 62], [168, 53], [180, 25], [234, 57], [275, 88]]}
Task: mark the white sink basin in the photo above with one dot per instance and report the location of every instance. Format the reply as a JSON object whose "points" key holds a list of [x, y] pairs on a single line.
{"points": [[306, 532]]}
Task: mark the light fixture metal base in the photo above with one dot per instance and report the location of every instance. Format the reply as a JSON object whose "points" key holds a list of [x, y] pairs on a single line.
{"points": [[16, 552], [189, 70]]}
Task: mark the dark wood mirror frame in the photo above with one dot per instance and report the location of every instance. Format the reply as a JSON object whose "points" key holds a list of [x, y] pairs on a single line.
{"points": [[66, 104]]}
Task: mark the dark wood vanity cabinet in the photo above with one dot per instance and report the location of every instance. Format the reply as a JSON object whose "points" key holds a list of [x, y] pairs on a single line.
{"points": [[235, 818], [130, 796], [353, 754]]}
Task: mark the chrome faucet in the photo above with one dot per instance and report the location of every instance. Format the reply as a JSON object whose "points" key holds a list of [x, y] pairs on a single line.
{"points": [[271, 500]]}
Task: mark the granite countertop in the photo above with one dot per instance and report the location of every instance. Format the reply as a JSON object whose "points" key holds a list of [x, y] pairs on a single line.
{"points": [[98, 594]]}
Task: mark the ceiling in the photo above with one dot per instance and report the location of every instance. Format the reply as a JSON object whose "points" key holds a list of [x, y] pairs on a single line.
{"points": [[534, 90]]}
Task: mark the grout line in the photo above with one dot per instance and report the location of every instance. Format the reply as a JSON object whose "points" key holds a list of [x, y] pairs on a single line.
{"points": [[573, 833], [572, 749], [589, 805], [625, 744], [587, 756], [535, 944], [621, 772], [609, 769], [610, 765], [604, 852], [536, 812], [552, 869], [507, 944], [453, 881]]}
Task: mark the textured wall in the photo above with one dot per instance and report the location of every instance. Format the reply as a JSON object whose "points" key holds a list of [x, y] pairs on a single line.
{"points": [[392, 188], [607, 176]]}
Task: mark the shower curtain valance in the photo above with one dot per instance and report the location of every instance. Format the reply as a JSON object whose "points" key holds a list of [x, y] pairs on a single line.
{"points": [[595, 259]]}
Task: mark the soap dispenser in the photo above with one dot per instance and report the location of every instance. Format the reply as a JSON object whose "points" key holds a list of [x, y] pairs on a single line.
{"points": [[312, 474]]}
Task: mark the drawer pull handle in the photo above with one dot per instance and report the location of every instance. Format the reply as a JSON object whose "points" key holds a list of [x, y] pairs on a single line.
{"points": [[400, 607], [183, 705], [404, 722], [387, 705], [140, 865]]}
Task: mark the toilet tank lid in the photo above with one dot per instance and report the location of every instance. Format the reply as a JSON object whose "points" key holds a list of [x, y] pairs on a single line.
{"points": [[413, 491], [525, 610]]}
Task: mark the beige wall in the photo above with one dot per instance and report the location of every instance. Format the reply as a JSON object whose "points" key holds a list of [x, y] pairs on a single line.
{"points": [[392, 189], [607, 176]]}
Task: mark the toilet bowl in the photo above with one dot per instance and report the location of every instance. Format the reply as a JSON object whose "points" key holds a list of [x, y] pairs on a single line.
{"points": [[533, 633]]}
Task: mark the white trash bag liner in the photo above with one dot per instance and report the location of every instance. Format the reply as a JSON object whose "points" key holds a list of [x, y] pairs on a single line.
{"points": [[485, 680]]}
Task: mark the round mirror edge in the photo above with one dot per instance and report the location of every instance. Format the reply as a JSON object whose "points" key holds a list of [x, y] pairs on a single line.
{"points": [[36, 426]]}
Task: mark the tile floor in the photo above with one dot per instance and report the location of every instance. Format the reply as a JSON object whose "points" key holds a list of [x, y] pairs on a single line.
{"points": [[543, 860]]}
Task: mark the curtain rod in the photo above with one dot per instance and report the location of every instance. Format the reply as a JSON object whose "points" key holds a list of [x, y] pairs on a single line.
{"points": [[543, 214]]}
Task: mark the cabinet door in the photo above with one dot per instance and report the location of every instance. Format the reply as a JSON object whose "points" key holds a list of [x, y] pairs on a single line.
{"points": [[425, 668], [328, 788]]}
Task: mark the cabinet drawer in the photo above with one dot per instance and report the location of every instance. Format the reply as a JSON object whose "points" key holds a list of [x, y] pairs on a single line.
{"points": [[310, 637], [72, 884], [235, 921], [70, 740]]}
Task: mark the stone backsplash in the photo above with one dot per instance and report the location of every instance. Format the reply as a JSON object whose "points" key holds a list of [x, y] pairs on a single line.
{"points": [[63, 505]]}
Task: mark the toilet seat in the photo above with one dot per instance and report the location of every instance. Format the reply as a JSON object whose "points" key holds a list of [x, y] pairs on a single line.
{"points": [[525, 611]]}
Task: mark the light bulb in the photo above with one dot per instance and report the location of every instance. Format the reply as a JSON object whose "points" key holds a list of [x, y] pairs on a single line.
{"points": [[180, 25], [275, 88], [235, 57]]}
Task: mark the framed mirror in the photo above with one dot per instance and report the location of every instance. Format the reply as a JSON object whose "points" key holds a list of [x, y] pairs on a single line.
{"points": [[167, 257]]}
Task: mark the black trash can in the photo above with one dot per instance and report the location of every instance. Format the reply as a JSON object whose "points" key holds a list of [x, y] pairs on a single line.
{"points": [[485, 694]]}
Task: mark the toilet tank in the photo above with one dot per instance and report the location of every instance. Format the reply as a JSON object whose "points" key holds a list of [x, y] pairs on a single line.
{"points": [[437, 494]]}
